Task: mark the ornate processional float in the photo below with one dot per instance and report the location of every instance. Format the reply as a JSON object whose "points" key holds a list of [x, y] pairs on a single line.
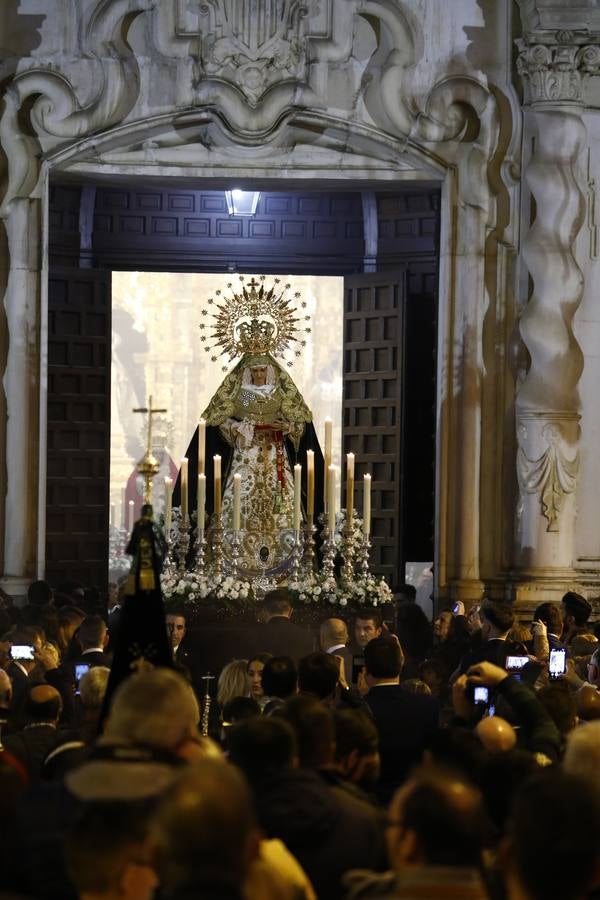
{"points": [[255, 505]]}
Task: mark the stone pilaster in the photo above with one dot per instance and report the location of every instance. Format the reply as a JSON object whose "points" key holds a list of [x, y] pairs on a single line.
{"points": [[553, 66]]}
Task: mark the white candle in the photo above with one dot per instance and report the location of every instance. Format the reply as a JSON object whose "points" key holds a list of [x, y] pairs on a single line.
{"points": [[112, 514], [168, 504], [201, 446], [349, 486], [367, 504], [331, 478], [184, 488], [201, 507], [130, 518], [297, 494], [237, 495], [310, 486], [217, 470], [123, 509], [328, 444]]}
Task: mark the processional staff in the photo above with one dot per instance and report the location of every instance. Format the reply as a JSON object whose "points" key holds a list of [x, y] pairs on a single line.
{"points": [[148, 465]]}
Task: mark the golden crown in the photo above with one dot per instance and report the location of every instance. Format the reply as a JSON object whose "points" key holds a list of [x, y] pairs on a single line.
{"points": [[256, 320]]}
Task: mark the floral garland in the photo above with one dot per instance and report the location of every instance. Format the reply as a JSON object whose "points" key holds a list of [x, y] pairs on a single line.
{"points": [[322, 591]]}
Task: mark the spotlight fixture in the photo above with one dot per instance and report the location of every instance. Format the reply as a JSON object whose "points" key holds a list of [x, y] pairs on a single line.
{"points": [[242, 203]]}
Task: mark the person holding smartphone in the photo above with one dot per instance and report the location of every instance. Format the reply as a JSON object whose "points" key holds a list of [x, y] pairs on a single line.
{"points": [[23, 660]]}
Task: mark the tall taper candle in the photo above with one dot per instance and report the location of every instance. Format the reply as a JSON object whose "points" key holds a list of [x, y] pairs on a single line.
{"points": [[201, 446], [217, 468], [168, 504], [130, 517], [201, 507], [184, 488], [310, 486], [328, 444], [349, 486], [112, 515], [123, 509], [237, 496], [331, 480], [297, 490], [367, 504]]}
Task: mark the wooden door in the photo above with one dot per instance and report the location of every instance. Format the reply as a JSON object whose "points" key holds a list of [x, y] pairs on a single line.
{"points": [[79, 343]]}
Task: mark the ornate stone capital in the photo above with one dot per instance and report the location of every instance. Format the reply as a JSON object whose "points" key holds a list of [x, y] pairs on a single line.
{"points": [[554, 65]]}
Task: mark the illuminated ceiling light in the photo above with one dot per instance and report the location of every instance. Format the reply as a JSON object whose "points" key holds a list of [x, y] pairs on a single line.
{"points": [[242, 203]]}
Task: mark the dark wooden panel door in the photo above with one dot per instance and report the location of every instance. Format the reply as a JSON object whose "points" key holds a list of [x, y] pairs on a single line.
{"points": [[374, 313], [79, 336]]}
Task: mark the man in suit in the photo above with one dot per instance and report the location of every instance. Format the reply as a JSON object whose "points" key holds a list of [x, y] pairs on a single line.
{"points": [[93, 637], [42, 709], [333, 638], [368, 624], [496, 621], [550, 615], [278, 635], [404, 720]]}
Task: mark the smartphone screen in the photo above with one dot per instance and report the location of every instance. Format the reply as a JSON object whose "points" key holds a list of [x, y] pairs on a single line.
{"points": [[558, 664], [480, 694], [22, 651], [516, 662], [81, 669]]}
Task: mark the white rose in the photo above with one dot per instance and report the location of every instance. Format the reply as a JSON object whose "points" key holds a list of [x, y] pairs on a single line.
{"points": [[317, 591], [192, 596], [343, 601]]}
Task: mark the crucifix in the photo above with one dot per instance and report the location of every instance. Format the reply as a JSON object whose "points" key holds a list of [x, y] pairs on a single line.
{"points": [[148, 465]]}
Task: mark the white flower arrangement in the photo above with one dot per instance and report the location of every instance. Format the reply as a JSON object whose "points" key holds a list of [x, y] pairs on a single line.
{"points": [[320, 591], [191, 590]]}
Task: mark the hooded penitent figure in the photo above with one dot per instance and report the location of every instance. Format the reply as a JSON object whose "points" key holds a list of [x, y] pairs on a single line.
{"points": [[259, 424]]}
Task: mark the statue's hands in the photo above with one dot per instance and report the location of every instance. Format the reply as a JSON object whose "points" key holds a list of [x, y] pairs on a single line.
{"points": [[282, 426]]}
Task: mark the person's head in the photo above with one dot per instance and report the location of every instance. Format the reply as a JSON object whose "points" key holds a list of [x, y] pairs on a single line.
{"points": [[238, 709], [552, 837], [92, 687], [279, 677], [176, 627], [550, 614], [383, 660], [457, 749], [357, 747], [576, 610], [204, 830], [312, 723], [43, 705], [436, 818], [93, 633], [332, 633], [367, 625], [107, 853], [157, 708], [405, 592], [441, 626], [496, 734], [39, 593], [318, 674], [254, 673], [258, 374], [233, 681], [69, 620], [559, 702], [587, 700], [277, 603], [582, 753], [262, 745], [496, 619]]}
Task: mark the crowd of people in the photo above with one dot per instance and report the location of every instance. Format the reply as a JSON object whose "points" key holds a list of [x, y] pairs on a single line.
{"points": [[370, 758]]}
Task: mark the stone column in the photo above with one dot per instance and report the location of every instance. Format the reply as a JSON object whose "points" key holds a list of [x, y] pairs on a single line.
{"points": [[553, 66]]}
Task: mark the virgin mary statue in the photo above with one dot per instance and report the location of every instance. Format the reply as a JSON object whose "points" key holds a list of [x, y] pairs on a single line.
{"points": [[260, 426]]}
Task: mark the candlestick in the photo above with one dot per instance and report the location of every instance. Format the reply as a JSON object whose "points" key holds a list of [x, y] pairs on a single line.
{"points": [[237, 488], [349, 486], [168, 505], [201, 501], [310, 486], [184, 488], [217, 470], [201, 446], [367, 504], [328, 444], [331, 499], [130, 516], [297, 485]]}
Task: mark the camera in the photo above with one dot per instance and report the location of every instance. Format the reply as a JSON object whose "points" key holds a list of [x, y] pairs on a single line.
{"points": [[22, 651]]}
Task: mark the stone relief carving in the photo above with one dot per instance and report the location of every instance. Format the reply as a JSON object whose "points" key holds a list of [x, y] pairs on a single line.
{"points": [[552, 475], [554, 66]]}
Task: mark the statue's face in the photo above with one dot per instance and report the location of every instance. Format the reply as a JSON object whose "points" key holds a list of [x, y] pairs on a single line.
{"points": [[258, 375]]}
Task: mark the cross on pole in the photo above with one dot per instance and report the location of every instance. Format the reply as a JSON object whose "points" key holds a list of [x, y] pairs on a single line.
{"points": [[151, 412]]}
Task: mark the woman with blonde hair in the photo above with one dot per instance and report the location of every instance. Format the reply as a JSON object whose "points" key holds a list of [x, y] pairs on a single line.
{"points": [[233, 681]]}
